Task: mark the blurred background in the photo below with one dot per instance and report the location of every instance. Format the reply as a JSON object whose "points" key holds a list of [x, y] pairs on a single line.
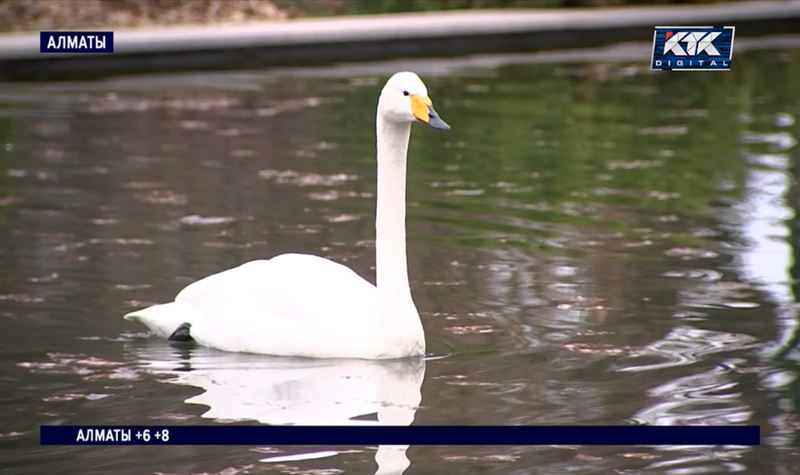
{"points": [[22, 15]]}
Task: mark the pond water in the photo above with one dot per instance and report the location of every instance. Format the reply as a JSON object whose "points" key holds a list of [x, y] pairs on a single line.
{"points": [[593, 243]]}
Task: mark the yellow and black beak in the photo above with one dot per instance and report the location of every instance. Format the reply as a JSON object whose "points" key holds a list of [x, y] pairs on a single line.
{"points": [[423, 111]]}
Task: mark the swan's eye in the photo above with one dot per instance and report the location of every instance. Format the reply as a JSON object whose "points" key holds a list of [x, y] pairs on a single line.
{"points": [[405, 93]]}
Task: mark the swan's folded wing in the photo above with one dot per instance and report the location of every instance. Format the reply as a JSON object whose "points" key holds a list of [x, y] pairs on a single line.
{"points": [[293, 304], [289, 286]]}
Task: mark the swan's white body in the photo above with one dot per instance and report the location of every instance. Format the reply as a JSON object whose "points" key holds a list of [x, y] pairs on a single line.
{"points": [[303, 305]]}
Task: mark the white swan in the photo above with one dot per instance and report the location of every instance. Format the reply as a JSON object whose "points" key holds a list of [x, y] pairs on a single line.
{"points": [[303, 305]]}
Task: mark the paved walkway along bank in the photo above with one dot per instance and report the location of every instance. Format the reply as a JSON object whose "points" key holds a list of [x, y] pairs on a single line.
{"points": [[376, 37]]}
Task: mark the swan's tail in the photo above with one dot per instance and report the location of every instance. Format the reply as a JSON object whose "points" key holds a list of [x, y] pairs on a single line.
{"points": [[165, 318]]}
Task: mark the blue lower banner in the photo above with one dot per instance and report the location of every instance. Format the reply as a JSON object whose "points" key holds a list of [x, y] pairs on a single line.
{"points": [[399, 435]]}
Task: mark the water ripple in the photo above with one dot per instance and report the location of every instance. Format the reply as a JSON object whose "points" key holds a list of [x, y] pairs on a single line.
{"points": [[88, 367], [684, 346], [777, 140], [197, 220], [707, 397], [292, 177]]}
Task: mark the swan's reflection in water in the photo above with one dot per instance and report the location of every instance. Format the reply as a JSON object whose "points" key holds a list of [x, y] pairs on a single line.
{"points": [[280, 390]]}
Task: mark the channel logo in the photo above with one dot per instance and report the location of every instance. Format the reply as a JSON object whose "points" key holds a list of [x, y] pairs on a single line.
{"points": [[76, 42], [692, 48]]}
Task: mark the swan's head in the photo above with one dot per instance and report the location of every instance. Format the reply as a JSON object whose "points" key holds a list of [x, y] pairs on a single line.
{"points": [[405, 99]]}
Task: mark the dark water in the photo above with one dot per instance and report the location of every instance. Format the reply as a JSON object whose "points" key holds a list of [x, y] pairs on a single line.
{"points": [[592, 244]]}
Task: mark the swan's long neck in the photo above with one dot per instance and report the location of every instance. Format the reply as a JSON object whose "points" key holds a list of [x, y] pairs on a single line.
{"points": [[390, 221]]}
